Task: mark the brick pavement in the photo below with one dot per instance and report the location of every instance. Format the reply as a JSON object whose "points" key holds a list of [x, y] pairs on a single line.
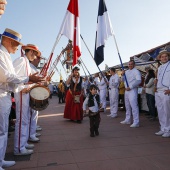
{"points": [[65, 145]]}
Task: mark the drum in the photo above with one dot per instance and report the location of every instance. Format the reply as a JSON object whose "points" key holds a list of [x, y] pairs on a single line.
{"points": [[39, 97]]}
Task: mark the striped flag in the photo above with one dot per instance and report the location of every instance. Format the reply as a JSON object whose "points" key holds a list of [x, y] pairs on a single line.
{"points": [[71, 28], [104, 30]]}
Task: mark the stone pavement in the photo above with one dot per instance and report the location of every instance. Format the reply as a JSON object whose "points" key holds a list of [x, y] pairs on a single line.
{"points": [[65, 145]]}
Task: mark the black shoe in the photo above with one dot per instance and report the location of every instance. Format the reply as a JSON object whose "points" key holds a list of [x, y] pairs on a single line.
{"points": [[92, 135], [11, 129], [152, 119], [79, 121], [96, 132]]}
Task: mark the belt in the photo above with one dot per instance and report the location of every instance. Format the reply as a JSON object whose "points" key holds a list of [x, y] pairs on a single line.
{"points": [[162, 89], [113, 88]]}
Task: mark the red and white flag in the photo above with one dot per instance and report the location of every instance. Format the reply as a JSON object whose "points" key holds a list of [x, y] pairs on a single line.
{"points": [[71, 28]]}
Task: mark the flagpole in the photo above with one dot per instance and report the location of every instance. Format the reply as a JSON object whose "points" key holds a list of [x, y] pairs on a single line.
{"points": [[85, 67], [120, 59], [91, 56], [46, 65]]}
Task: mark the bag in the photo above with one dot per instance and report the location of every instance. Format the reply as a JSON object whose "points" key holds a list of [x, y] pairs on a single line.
{"points": [[77, 99]]}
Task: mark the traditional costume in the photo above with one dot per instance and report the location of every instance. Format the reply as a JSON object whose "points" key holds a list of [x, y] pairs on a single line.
{"points": [[22, 68], [74, 101], [131, 97], [93, 103], [113, 95], [8, 82], [162, 99]]}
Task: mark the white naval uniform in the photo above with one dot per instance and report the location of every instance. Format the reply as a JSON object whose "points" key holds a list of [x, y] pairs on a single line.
{"points": [[113, 94], [131, 97], [8, 81], [22, 68], [85, 86], [103, 90], [33, 113], [162, 100]]}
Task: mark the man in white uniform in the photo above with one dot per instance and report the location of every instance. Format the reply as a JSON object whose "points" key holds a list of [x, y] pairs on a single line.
{"points": [[34, 114], [102, 85], [10, 41], [162, 96], [113, 93], [86, 86], [22, 98], [131, 94]]}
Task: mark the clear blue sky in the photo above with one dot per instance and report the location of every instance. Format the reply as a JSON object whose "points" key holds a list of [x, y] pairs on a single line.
{"points": [[138, 26]]}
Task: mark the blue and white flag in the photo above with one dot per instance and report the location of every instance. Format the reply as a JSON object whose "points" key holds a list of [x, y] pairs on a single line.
{"points": [[104, 30]]}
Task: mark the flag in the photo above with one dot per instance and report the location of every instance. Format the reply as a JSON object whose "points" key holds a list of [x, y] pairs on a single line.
{"points": [[104, 30], [71, 28]]}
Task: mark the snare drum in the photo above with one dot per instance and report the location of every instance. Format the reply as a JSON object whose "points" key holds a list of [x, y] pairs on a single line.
{"points": [[39, 97]]}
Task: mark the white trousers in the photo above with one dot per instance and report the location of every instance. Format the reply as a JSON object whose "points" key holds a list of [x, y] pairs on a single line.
{"points": [[163, 107], [33, 123], [5, 108], [103, 97], [113, 96], [22, 121], [131, 104]]}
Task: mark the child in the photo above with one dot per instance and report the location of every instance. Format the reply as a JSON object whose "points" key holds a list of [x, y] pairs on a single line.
{"points": [[93, 103]]}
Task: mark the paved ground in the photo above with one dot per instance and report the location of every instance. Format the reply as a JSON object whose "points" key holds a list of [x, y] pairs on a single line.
{"points": [[66, 145]]}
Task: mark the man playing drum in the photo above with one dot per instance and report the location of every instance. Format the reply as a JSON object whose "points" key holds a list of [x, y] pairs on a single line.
{"points": [[34, 113], [22, 98], [10, 40]]}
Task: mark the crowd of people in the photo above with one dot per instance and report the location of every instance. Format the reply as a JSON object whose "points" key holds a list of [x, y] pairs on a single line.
{"points": [[82, 96], [17, 79], [88, 96]]}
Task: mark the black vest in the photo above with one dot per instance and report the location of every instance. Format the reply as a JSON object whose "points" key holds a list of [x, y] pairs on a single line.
{"points": [[91, 100], [78, 87]]}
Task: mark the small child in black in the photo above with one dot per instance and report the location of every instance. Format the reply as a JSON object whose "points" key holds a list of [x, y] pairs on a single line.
{"points": [[91, 104]]}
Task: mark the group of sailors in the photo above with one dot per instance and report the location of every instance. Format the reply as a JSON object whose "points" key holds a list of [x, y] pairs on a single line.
{"points": [[131, 79], [19, 77]]}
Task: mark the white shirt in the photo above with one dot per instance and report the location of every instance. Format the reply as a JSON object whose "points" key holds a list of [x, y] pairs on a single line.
{"points": [[33, 69], [150, 87], [50, 86], [22, 68], [133, 78], [96, 81], [94, 108], [114, 81], [102, 84], [164, 76], [8, 77]]}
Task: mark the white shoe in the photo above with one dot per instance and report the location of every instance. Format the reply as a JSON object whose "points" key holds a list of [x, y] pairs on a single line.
{"points": [[109, 115], [166, 135], [38, 129], [114, 116], [38, 134], [160, 133], [6, 164], [34, 139], [29, 146], [134, 125], [125, 122], [24, 152]]}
